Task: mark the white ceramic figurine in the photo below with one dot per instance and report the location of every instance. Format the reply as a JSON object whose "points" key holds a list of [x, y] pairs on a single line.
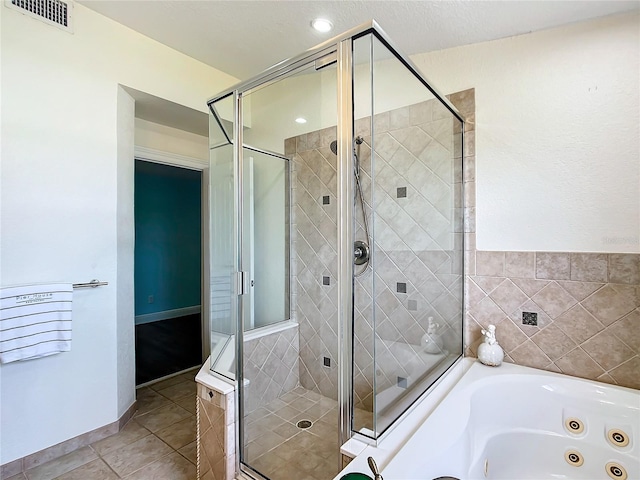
{"points": [[489, 351]]}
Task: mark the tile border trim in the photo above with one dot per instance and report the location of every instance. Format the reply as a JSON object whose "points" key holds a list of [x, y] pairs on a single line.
{"points": [[21, 465]]}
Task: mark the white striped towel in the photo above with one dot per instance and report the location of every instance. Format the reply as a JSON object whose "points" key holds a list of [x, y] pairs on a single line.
{"points": [[35, 321]]}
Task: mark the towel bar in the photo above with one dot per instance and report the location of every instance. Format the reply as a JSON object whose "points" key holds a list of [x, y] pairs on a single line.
{"points": [[92, 284]]}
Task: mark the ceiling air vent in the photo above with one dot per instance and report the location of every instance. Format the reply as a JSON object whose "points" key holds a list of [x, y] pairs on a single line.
{"points": [[53, 12]]}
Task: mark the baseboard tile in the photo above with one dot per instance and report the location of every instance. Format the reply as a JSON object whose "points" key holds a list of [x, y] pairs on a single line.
{"points": [[38, 458]]}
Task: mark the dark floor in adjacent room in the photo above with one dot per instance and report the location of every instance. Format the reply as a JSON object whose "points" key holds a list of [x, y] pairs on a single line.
{"points": [[167, 346]]}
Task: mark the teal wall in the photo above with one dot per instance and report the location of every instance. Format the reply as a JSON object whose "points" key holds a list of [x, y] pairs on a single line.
{"points": [[168, 237]]}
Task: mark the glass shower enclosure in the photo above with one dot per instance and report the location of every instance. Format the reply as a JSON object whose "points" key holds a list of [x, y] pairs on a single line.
{"points": [[336, 250]]}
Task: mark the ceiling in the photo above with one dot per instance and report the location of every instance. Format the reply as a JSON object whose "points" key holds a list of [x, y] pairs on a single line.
{"points": [[243, 38]]}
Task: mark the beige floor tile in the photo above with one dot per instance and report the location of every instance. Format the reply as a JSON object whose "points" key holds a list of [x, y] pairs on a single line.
{"points": [[179, 434], [96, 470], [162, 417], [131, 432], [286, 430], [190, 452], [188, 403], [171, 467], [130, 458], [208, 476], [144, 392], [150, 401], [179, 390], [166, 383], [190, 375], [61, 465], [19, 476]]}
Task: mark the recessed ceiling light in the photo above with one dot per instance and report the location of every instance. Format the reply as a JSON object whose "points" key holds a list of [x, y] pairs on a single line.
{"points": [[301, 120], [322, 25]]}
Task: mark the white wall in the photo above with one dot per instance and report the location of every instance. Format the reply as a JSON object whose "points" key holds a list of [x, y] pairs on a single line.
{"points": [[557, 135], [172, 140], [66, 198]]}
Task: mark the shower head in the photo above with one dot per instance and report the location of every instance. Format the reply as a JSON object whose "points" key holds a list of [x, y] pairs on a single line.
{"points": [[334, 145]]}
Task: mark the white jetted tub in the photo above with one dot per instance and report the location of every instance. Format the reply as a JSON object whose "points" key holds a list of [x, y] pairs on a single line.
{"points": [[517, 423]]}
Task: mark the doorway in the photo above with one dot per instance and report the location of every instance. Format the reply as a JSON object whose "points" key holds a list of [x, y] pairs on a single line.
{"points": [[167, 270]]}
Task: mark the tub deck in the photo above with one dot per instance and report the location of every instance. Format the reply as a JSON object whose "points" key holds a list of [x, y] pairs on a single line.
{"points": [[514, 422]]}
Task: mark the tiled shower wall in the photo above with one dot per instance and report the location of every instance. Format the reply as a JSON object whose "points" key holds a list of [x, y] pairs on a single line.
{"points": [[417, 228], [587, 304], [314, 259], [271, 366], [418, 275]]}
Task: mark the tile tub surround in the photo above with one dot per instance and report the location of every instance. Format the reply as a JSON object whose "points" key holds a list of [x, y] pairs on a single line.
{"points": [[587, 305], [415, 281]]}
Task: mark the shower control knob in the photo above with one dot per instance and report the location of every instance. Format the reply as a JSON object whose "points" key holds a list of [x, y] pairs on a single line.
{"points": [[360, 252]]}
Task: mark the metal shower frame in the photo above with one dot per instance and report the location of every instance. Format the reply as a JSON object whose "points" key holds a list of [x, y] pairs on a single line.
{"points": [[342, 47]]}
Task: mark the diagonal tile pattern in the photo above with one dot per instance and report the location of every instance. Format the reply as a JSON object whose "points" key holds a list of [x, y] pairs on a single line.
{"points": [[587, 304], [137, 452], [585, 328], [277, 448], [271, 364], [413, 184]]}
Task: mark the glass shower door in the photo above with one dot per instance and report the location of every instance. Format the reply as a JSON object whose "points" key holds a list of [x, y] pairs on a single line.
{"points": [[289, 373]]}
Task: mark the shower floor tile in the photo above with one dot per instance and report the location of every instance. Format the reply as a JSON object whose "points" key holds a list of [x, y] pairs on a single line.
{"points": [[280, 450]]}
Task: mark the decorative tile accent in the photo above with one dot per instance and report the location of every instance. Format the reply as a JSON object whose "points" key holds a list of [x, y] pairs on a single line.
{"points": [[530, 318], [401, 192], [401, 287]]}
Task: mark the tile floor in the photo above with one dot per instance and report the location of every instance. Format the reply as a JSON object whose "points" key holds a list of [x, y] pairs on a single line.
{"points": [[280, 450], [158, 443]]}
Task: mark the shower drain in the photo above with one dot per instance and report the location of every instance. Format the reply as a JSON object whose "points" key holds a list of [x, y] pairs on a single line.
{"points": [[616, 471], [304, 424]]}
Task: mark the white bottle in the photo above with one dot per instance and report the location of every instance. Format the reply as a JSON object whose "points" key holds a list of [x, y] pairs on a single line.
{"points": [[489, 352], [430, 342]]}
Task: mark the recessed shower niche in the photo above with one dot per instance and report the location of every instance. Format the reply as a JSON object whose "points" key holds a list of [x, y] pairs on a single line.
{"points": [[337, 249]]}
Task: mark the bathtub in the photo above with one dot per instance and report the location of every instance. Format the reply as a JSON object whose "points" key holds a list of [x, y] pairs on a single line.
{"points": [[517, 423]]}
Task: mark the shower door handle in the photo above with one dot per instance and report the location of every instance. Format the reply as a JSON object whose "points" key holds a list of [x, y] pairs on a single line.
{"points": [[243, 283]]}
